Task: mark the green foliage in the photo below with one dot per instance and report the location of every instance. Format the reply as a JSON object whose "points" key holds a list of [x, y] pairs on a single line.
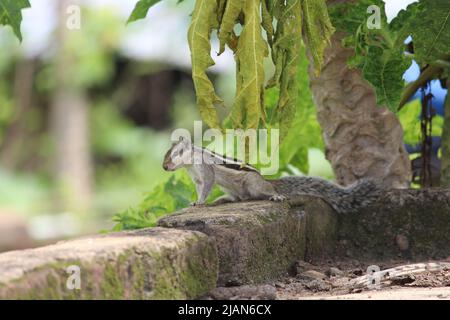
{"points": [[305, 132], [11, 14], [384, 69], [141, 9], [409, 117], [430, 29], [126, 157], [379, 53], [7, 108], [174, 194], [92, 47]]}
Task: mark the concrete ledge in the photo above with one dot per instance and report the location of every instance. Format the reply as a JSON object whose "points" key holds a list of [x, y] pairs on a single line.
{"points": [[260, 241], [409, 224], [146, 264], [238, 244]]}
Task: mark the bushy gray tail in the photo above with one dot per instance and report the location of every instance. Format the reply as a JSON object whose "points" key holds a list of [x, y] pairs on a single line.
{"points": [[343, 199]]}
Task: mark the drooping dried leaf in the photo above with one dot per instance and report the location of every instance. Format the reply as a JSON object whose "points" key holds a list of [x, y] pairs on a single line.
{"points": [[248, 107], [204, 20], [232, 10], [286, 46], [318, 29]]}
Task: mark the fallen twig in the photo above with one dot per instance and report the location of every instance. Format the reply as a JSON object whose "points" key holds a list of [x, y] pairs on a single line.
{"points": [[376, 278]]}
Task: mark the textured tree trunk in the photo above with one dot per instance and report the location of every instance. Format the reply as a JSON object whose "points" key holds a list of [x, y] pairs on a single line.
{"points": [[361, 138], [445, 143], [72, 167]]}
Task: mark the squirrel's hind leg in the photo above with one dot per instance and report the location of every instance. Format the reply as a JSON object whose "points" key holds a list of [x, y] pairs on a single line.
{"points": [[262, 189]]}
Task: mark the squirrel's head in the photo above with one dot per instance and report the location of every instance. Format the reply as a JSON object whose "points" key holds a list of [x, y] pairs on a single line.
{"points": [[179, 155]]}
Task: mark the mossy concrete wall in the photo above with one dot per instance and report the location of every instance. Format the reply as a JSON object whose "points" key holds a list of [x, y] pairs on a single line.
{"points": [[406, 224], [146, 264], [261, 240], [197, 249]]}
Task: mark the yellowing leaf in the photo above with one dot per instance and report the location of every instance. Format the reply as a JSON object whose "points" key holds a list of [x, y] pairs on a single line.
{"points": [[318, 29], [232, 10], [267, 19], [248, 108], [204, 20], [286, 46]]}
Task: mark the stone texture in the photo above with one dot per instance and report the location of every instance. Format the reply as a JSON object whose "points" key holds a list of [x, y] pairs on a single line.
{"points": [[408, 224], [261, 240], [152, 263]]}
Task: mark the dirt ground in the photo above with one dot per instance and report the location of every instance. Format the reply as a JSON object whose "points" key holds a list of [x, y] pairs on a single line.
{"points": [[334, 281], [441, 293], [348, 280]]}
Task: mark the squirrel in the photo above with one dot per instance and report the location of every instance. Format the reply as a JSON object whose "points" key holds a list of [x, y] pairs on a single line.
{"points": [[242, 182]]}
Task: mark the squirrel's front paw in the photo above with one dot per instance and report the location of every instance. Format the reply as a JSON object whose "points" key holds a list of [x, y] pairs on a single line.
{"points": [[278, 198]]}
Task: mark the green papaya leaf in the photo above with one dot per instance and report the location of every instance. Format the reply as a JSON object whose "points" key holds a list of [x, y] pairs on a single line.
{"points": [[384, 69], [141, 9], [378, 52], [430, 30], [11, 14]]}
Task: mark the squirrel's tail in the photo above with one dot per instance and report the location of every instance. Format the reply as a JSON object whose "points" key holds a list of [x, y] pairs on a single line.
{"points": [[360, 194], [342, 199]]}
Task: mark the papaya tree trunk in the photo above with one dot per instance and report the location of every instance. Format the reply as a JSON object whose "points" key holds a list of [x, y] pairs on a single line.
{"points": [[361, 138], [445, 143]]}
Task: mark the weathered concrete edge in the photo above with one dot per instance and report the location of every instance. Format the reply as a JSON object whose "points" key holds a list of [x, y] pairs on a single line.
{"points": [[411, 224], [152, 263], [261, 241]]}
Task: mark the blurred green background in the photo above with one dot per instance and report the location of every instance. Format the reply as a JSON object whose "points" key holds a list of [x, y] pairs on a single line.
{"points": [[86, 116]]}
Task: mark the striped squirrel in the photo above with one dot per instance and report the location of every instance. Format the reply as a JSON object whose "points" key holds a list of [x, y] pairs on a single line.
{"points": [[242, 182]]}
